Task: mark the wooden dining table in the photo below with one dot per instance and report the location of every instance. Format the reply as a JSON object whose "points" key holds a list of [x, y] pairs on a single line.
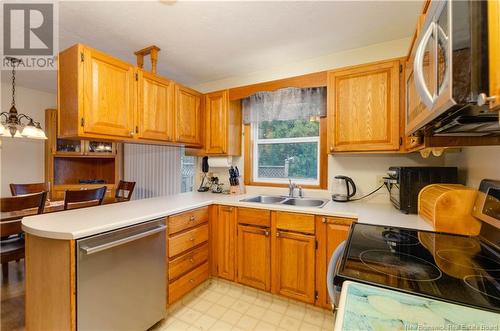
{"points": [[50, 207]]}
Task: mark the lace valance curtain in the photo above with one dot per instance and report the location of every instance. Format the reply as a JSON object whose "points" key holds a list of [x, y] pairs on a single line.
{"points": [[285, 104]]}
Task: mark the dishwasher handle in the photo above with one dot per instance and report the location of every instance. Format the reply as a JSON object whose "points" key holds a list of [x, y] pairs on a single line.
{"points": [[94, 249]]}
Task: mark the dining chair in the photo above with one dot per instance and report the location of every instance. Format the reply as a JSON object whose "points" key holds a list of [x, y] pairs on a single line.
{"points": [[84, 198], [11, 239], [20, 189], [124, 190]]}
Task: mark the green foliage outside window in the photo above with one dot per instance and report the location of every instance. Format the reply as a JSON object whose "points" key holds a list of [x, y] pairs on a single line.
{"points": [[288, 159]]}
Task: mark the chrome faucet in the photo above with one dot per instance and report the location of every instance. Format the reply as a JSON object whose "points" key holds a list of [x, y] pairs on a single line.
{"points": [[291, 188]]}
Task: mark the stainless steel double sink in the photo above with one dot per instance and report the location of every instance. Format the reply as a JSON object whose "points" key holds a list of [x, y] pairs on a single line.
{"points": [[281, 200]]}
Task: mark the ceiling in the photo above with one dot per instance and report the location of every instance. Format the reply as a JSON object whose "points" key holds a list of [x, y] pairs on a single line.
{"points": [[206, 41]]}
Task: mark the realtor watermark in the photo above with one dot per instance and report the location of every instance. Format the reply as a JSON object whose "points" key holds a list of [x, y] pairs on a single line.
{"points": [[30, 33], [453, 327]]}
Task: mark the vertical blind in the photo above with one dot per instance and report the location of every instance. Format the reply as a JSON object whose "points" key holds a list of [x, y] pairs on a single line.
{"points": [[155, 169]]}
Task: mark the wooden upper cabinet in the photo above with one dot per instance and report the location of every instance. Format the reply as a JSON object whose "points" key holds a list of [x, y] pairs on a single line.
{"points": [[222, 124], [226, 242], [188, 120], [254, 257], [216, 122], [102, 97], [494, 51], [363, 108], [154, 107], [108, 95], [294, 266]]}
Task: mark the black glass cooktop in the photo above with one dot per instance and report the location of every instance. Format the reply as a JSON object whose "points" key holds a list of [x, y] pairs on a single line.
{"points": [[448, 267]]}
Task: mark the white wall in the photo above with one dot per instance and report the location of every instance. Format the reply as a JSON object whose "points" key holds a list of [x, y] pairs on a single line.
{"points": [[371, 53], [476, 163], [22, 160]]}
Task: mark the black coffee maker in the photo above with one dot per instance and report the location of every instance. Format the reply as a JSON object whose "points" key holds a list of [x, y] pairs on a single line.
{"points": [[343, 189]]}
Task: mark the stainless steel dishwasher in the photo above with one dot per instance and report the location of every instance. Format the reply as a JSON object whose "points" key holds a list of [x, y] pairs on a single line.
{"points": [[121, 278]]}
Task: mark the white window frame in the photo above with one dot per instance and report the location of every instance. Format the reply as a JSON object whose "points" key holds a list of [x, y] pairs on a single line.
{"points": [[255, 162]]}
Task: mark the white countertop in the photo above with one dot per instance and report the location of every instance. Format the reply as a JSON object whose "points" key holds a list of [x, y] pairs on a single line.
{"points": [[79, 223]]}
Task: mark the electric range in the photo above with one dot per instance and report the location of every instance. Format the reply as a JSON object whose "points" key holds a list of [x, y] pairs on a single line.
{"points": [[454, 268]]}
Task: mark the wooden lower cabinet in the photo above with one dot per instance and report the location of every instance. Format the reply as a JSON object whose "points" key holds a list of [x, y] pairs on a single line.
{"points": [[186, 283], [330, 232], [184, 241], [226, 242], [187, 252], [254, 257], [182, 264], [280, 252], [294, 265]]}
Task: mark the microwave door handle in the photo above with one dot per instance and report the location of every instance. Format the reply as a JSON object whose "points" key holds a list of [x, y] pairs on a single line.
{"points": [[418, 67]]}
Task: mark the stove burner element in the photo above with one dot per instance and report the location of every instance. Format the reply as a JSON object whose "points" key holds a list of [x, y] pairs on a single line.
{"points": [[392, 236], [400, 265], [486, 285], [476, 261]]}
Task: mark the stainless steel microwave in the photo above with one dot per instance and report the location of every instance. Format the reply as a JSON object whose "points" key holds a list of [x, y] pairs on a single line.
{"points": [[447, 82]]}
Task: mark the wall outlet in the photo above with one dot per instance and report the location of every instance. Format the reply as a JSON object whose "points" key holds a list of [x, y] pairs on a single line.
{"points": [[380, 180]]}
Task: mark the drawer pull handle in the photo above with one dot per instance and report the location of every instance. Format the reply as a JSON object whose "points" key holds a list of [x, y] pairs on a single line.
{"points": [[277, 233]]}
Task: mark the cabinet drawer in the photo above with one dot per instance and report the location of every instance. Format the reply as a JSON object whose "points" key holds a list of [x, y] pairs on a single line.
{"points": [[338, 220], [187, 240], [186, 283], [295, 222], [188, 261], [259, 217], [186, 220]]}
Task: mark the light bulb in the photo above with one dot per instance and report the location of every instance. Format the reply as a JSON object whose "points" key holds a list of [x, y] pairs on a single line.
{"points": [[40, 134], [30, 131]]}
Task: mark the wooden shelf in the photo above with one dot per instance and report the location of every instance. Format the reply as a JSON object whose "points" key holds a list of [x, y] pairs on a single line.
{"points": [[63, 170], [85, 156]]}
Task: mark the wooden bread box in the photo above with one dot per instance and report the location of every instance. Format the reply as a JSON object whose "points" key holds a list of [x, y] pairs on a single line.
{"points": [[448, 208]]}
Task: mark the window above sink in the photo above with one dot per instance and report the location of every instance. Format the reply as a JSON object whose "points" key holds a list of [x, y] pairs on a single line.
{"points": [[285, 133]]}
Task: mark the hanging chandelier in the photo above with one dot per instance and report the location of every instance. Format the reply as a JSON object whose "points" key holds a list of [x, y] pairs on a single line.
{"points": [[11, 122]]}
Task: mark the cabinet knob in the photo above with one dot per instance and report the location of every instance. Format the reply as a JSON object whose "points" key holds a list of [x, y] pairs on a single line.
{"points": [[191, 239], [331, 148], [483, 99], [131, 133], [323, 220], [266, 233], [191, 281], [191, 260], [192, 218]]}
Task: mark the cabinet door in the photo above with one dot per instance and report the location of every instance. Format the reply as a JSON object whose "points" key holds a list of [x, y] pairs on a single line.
{"points": [[331, 231], [294, 266], [154, 107], [216, 122], [364, 108], [494, 51], [187, 116], [226, 235], [254, 257], [109, 95]]}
